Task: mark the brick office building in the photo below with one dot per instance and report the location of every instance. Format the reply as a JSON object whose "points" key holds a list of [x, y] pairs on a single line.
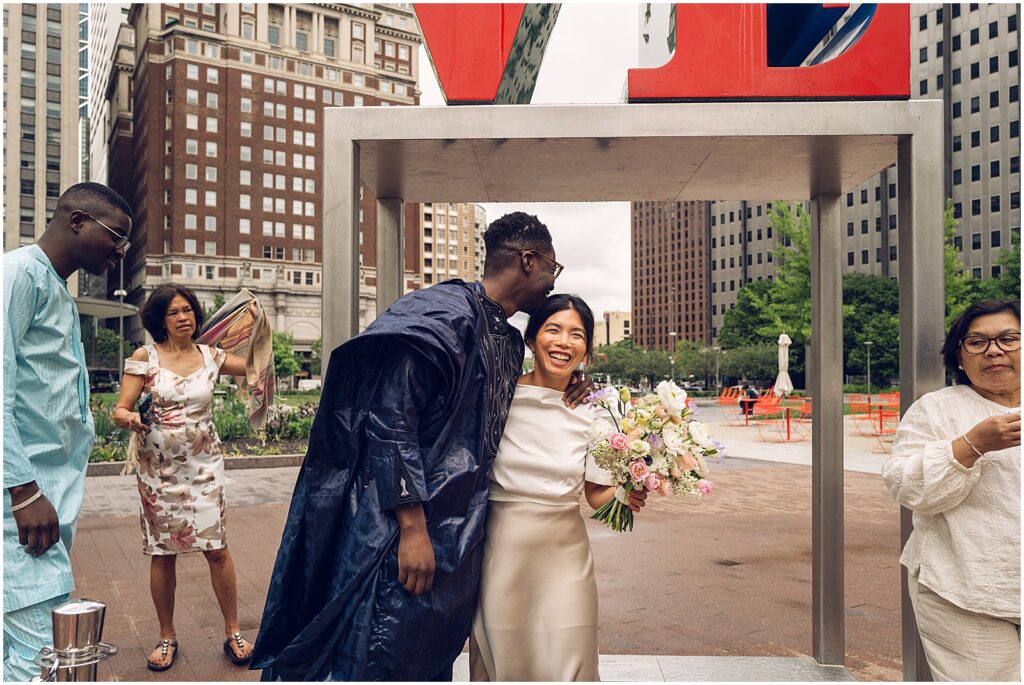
{"points": [[670, 273], [226, 174]]}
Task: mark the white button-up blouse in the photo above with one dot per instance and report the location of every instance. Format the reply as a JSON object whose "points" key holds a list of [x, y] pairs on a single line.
{"points": [[966, 541]]}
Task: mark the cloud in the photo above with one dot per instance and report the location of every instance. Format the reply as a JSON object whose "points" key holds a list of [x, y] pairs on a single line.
{"points": [[591, 48]]}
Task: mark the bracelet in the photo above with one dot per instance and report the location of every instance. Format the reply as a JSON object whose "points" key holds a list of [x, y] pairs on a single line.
{"points": [[971, 445], [30, 500]]}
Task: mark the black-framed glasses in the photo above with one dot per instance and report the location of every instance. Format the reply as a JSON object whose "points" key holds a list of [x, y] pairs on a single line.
{"points": [[558, 267], [122, 241], [979, 344]]}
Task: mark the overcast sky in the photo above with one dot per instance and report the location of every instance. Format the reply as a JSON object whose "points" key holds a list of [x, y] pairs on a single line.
{"points": [[591, 48]]}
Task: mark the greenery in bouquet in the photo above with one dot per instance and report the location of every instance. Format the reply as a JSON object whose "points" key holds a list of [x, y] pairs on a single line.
{"points": [[653, 444]]}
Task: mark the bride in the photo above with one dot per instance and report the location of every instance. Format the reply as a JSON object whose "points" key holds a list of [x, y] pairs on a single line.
{"points": [[536, 616]]}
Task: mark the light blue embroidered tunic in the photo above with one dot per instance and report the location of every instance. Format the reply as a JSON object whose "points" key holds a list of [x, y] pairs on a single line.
{"points": [[48, 429]]}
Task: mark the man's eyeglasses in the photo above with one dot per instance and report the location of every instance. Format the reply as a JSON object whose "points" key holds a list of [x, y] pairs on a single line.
{"points": [[122, 241], [558, 267], [979, 344]]}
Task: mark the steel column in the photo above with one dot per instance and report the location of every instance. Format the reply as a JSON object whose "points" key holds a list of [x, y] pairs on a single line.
{"points": [[390, 252], [827, 604], [340, 312], [919, 179]]}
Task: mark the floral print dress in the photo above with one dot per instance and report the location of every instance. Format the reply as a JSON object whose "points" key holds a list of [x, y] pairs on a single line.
{"points": [[181, 467]]}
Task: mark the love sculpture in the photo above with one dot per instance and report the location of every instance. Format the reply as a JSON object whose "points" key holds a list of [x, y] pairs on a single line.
{"points": [[491, 54]]}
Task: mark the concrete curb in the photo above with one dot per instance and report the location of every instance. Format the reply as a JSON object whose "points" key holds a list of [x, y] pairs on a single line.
{"points": [[261, 461]]}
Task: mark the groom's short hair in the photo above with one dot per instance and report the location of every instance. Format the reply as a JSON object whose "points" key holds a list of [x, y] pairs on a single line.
{"points": [[511, 235]]}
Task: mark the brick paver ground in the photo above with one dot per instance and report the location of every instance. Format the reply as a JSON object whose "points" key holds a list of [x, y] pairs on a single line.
{"points": [[728, 575]]}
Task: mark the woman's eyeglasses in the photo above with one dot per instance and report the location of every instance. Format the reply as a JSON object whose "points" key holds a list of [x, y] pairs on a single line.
{"points": [[979, 344]]}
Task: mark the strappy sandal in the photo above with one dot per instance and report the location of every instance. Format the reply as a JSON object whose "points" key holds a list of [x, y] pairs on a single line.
{"points": [[235, 659], [165, 646]]}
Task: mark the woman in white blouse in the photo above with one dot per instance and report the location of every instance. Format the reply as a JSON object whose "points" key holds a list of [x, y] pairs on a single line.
{"points": [[537, 613], [956, 464]]}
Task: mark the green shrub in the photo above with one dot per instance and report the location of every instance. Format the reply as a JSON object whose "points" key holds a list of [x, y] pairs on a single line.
{"points": [[110, 440], [231, 418]]}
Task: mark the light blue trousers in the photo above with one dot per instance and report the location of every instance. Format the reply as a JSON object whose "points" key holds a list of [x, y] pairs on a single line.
{"points": [[26, 631]]}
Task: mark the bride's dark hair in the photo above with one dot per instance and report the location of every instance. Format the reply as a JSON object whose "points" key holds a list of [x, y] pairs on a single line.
{"points": [[559, 303]]}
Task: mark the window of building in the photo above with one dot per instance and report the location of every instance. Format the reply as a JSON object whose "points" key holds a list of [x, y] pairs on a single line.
{"points": [[1014, 93], [211, 124], [1014, 129], [192, 71], [975, 207], [1015, 164], [210, 223], [863, 226], [956, 43], [1011, 58], [956, 110], [849, 259], [993, 169], [975, 172], [922, 22], [191, 196], [210, 199], [244, 201], [958, 177], [957, 144], [210, 248], [191, 146], [993, 134], [923, 53], [211, 174], [975, 241], [190, 222], [993, 29], [993, 99], [191, 171], [975, 70], [994, 203], [1015, 200], [995, 239], [863, 256], [975, 138], [192, 96], [975, 104], [358, 53], [274, 35], [190, 248], [975, 36], [892, 221], [1011, 23], [864, 196]]}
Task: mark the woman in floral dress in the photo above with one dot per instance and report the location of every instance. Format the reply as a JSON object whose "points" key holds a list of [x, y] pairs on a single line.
{"points": [[180, 469]]}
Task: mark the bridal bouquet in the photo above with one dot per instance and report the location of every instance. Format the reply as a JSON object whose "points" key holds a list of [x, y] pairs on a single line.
{"points": [[652, 445]]}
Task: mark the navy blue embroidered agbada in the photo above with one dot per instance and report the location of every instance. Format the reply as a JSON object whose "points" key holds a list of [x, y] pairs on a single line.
{"points": [[412, 410]]}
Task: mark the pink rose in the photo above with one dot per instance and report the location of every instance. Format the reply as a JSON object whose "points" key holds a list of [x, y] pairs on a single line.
{"points": [[653, 482], [618, 441], [634, 434], [638, 470], [704, 486]]}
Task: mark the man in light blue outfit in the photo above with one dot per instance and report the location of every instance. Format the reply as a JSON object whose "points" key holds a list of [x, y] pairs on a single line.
{"points": [[48, 429]]}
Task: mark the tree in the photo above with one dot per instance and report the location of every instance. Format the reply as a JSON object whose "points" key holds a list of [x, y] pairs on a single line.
{"points": [[694, 359], [865, 299], [788, 310], [883, 331], [741, 324], [315, 356], [218, 302], [285, 364], [751, 362]]}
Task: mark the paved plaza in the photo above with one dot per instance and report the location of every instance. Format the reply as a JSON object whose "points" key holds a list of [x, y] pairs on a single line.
{"points": [[726, 576]]}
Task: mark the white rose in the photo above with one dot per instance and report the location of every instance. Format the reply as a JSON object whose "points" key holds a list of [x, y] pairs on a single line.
{"points": [[699, 434], [672, 397], [702, 466], [599, 430], [675, 443]]}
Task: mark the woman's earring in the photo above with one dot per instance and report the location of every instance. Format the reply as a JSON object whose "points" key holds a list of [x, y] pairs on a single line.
{"points": [[961, 367]]}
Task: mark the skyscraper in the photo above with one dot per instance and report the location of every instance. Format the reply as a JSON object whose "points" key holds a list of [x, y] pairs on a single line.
{"points": [[41, 114], [452, 241], [226, 166]]}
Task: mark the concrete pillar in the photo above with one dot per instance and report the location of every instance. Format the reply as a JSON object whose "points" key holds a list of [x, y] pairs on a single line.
{"points": [[340, 313], [922, 325], [390, 251], [827, 601]]}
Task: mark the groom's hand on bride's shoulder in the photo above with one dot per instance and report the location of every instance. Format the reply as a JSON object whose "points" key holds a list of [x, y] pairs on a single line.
{"points": [[637, 500], [580, 387]]}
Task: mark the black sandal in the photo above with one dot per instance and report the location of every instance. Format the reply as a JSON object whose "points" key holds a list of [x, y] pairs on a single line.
{"points": [[235, 659], [165, 646]]}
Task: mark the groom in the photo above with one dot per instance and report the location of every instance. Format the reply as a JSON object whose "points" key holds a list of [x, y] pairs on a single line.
{"points": [[379, 565]]}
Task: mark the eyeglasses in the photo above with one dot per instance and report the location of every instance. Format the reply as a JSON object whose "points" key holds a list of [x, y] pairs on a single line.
{"points": [[122, 241], [979, 344], [558, 267]]}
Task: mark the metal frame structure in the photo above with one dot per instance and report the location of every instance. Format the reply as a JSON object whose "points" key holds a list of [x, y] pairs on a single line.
{"points": [[687, 151]]}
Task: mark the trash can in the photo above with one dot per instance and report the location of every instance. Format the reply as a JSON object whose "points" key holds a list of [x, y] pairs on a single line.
{"points": [[77, 649]]}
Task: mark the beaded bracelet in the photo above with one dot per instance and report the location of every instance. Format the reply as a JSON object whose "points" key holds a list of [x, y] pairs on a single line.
{"points": [[971, 445], [30, 500]]}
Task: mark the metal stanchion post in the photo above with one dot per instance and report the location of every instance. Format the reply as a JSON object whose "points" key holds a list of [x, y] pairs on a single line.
{"points": [[77, 649]]}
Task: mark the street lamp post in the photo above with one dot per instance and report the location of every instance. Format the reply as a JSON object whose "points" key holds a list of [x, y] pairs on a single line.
{"points": [[672, 363], [718, 384], [868, 344], [120, 295]]}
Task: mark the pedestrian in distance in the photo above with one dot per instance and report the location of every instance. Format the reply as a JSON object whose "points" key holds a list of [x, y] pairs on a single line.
{"points": [[180, 465], [380, 561], [956, 464], [48, 428]]}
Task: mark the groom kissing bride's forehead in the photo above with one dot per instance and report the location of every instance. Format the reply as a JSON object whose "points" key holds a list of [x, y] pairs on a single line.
{"points": [[380, 561]]}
